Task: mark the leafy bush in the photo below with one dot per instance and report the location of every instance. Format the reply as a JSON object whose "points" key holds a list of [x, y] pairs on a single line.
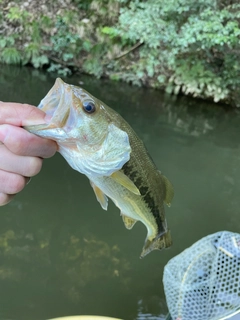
{"points": [[182, 46], [188, 46], [64, 35]]}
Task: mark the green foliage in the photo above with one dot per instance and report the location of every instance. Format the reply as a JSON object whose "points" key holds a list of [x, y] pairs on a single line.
{"points": [[83, 4], [65, 43], [111, 31], [10, 56], [58, 68], [183, 46], [188, 46], [15, 14], [7, 41]]}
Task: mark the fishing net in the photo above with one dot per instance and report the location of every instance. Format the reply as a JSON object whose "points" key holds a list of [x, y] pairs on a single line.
{"points": [[203, 282]]}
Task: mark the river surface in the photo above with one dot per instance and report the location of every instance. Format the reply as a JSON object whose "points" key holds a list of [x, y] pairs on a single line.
{"points": [[61, 254]]}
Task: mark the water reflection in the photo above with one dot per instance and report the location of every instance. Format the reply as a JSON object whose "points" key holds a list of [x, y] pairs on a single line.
{"points": [[61, 254]]}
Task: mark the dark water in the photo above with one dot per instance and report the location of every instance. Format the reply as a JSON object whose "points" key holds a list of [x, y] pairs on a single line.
{"points": [[61, 254]]}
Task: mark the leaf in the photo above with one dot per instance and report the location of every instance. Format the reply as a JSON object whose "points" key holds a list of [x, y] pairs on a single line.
{"points": [[3, 42], [39, 61], [11, 56]]}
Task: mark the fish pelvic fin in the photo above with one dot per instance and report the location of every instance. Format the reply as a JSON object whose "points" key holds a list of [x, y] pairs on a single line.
{"points": [[169, 191], [122, 179], [101, 197], [128, 222], [160, 242]]}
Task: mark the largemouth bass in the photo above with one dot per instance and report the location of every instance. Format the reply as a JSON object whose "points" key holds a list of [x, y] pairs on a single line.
{"points": [[96, 141]]}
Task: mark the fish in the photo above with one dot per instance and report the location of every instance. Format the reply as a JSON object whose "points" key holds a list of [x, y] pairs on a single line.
{"points": [[96, 141]]}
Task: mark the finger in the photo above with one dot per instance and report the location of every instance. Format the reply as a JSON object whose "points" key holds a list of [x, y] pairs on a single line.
{"points": [[11, 183], [5, 198], [21, 142], [20, 114], [25, 166]]}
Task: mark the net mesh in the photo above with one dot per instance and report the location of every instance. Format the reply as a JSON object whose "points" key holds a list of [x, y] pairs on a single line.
{"points": [[203, 282]]}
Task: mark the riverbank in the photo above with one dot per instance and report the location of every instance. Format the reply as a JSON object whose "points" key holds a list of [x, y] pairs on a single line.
{"points": [[181, 47]]}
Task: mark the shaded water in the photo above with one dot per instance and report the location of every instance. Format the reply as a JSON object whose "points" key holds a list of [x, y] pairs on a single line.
{"points": [[61, 254]]}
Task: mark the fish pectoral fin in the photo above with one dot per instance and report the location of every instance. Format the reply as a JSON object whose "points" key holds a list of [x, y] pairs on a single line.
{"points": [[169, 191], [101, 197], [122, 179], [128, 222]]}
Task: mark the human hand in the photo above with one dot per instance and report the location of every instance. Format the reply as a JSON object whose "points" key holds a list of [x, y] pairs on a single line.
{"points": [[21, 153]]}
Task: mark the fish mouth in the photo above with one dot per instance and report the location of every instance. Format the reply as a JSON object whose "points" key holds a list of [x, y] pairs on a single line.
{"points": [[56, 104], [60, 116]]}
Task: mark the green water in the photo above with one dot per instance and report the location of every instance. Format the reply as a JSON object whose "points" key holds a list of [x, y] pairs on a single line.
{"points": [[61, 254]]}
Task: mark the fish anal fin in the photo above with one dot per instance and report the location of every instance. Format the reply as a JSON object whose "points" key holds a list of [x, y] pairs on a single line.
{"points": [[101, 197], [128, 222], [122, 179], [169, 191], [160, 242]]}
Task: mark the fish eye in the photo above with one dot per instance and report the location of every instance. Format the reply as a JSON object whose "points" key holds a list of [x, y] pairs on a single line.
{"points": [[89, 106]]}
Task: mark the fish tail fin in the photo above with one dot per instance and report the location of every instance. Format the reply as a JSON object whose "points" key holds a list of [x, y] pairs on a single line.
{"points": [[160, 242]]}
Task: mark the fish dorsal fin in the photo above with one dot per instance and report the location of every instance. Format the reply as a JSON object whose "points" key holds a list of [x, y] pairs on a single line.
{"points": [[121, 178], [128, 222], [101, 197], [169, 191]]}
